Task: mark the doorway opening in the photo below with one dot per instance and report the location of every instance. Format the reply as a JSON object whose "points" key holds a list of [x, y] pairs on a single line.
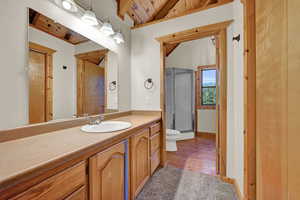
{"points": [[218, 101], [191, 98]]}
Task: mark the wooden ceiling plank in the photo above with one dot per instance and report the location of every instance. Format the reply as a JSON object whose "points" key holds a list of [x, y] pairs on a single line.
{"points": [[165, 9], [35, 18], [149, 8], [49, 26], [206, 3], [123, 6], [219, 3], [134, 16], [139, 11]]}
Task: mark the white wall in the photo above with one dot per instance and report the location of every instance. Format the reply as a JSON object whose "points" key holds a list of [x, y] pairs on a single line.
{"points": [[112, 75], [193, 54], [87, 46], [190, 55], [145, 62], [207, 121], [64, 81], [238, 57], [13, 78]]}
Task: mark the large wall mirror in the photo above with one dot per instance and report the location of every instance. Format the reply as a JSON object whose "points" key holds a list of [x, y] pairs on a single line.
{"points": [[69, 75]]}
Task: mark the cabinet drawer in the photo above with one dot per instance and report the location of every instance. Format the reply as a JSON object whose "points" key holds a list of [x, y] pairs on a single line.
{"points": [[155, 160], [154, 143], [154, 129], [58, 186], [79, 194]]}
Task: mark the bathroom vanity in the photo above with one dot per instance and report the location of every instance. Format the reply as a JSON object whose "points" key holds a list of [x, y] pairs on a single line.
{"points": [[74, 165], [69, 79]]}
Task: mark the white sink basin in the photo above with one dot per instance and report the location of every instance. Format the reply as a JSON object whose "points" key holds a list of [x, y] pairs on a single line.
{"points": [[106, 126]]}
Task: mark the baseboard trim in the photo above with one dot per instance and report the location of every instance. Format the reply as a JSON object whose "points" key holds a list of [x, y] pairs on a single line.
{"points": [[206, 135], [235, 185]]}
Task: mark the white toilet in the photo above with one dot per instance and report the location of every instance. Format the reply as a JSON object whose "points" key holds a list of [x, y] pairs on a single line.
{"points": [[171, 137]]}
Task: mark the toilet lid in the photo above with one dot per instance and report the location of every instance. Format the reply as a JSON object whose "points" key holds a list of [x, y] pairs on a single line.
{"points": [[172, 132]]}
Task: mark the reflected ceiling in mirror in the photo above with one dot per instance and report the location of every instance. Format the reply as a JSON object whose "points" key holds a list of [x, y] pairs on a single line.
{"points": [[68, 75]]}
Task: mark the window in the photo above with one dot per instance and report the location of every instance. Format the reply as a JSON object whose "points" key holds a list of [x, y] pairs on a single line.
{"points": [[207, 87]]}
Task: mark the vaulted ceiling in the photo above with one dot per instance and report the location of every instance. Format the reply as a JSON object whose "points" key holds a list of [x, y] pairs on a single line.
{"points": [[145, 11]]}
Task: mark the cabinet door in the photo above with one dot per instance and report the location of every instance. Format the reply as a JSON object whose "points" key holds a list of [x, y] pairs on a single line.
{"points": [[140, 161], [107, 171]]}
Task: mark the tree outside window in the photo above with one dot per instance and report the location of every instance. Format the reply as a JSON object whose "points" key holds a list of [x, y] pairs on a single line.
{"points": [[207, 87]]}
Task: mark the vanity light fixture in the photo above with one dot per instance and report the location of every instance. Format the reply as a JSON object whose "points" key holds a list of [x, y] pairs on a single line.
{"points": [[89, 17], [69, 5], [107, 29], [118, 37]]}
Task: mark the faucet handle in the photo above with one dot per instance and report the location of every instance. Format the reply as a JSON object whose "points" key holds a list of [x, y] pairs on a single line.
{"points": [[101, 117]]}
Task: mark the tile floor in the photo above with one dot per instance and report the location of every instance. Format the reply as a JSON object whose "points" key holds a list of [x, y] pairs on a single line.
{"points": [[198, 154]]}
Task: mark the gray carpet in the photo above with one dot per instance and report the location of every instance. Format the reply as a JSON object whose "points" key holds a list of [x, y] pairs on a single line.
{"points": [[171, 183]]}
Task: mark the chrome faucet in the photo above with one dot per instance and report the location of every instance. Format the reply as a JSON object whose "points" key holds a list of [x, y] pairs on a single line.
{"points": [[95, 120]]}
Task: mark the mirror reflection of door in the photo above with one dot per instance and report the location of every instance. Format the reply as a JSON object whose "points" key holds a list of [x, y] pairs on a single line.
{"points": [[40, 83], [94, 94], [91, 81], [37, 113]]}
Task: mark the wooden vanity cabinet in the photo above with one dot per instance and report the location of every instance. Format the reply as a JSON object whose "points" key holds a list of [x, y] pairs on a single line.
{"points": [[155, 146], [68, 184], [145, 156], [110, 174], [107, 173], [140, 161], [80, 194]]}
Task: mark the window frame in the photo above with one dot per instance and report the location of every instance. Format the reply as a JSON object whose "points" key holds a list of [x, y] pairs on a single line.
{"points": [[199, 87]]}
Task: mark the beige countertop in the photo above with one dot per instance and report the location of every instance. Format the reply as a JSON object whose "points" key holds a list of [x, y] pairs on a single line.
{"points": [[21, 156]]}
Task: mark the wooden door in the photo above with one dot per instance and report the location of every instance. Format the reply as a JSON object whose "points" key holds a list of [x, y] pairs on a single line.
{"points": [[293, 137], [94, 90], [37, 87], [107, 173], [140, 161], [277, 99]]}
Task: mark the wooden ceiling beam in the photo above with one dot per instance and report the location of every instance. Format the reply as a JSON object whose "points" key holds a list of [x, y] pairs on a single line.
{"points": [[123, 6], [206, 3], [68, 35], [35, 18], [165, 9], [213, 4]]}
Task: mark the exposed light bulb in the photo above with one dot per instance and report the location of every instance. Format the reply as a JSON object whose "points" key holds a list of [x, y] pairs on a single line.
{"points": [[89, 18], [118, 37], [107, 29]]}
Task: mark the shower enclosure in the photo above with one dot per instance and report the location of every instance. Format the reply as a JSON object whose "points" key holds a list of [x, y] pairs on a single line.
{"points": [[180, 99]]}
